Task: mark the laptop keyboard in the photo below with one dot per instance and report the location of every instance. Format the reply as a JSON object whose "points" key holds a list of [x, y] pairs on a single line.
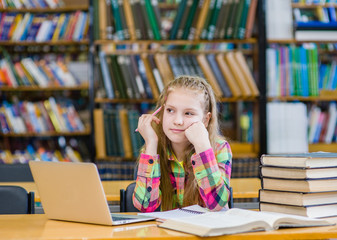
{"points": [[115, 218]]}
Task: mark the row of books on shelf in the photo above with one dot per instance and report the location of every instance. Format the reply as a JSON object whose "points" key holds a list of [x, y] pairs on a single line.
{"points": [[314, 1], [287, 134], [193, 19], [19, 4], [115, 133], [323, 124], [145, 75], [301, 184], [68, 154], [39, 117], [38, 72], [297, 71], [236, 121], [302, 24], [41, 27], [116, 170]]}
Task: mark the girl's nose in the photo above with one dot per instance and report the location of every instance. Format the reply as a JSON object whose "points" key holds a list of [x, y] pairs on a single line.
{"points": [[178, 120]]}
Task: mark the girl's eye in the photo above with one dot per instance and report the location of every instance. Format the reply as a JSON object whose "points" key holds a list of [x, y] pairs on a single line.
{"points": [[169, 110], [189, 114]]}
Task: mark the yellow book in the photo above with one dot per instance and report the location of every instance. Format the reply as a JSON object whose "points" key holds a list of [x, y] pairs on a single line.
{"points": [[99, 133], [17, 20], [127, 145], [52, 116], [58, 27]]}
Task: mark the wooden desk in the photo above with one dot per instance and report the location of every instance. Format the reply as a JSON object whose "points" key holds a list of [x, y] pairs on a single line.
{"points": [[28, 227], [242, 188]]}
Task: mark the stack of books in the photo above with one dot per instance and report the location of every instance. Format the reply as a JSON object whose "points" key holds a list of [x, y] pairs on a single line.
{"points": [[301, 184]]}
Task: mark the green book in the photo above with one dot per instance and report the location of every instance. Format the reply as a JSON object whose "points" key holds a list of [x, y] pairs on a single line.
{"points": [[240, 33], [118, 78], [315, 90], [237, 18], [213, 20], [118, 20], [153, 21], [204, 31], [136, 138], [177, 20], [231, 18], [146, 20]]}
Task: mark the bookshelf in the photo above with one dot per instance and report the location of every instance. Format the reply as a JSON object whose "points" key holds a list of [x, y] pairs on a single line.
{"points": [[121, 49], [44, 83], [318, 92]]}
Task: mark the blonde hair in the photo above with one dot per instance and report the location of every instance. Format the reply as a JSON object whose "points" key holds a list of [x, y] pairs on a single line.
{"points": [[191, 192]]}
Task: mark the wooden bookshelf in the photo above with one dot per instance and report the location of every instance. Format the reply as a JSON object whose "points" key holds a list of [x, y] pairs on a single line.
{"points": [[325, 147], [304, 99], [244, 150], [316, 5], [15, 51], [294, 41], [47, 10], [31, 43], [40, 89], [175, 42], [47, 134]]}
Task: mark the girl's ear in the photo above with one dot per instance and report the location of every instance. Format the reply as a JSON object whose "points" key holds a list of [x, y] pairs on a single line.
{"points": [[207, 118]]}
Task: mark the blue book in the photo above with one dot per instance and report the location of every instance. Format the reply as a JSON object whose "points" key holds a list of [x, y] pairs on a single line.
{"points": [[316, 25], [304, 68]]}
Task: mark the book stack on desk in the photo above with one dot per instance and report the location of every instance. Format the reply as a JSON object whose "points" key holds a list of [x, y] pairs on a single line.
{"points": [[301, 184]]}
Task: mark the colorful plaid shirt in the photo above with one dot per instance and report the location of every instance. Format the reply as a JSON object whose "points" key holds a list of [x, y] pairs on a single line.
{"points": [[212, 170]]}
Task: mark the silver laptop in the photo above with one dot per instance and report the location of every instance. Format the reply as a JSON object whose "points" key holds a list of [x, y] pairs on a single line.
{"points": [[74, 192]]}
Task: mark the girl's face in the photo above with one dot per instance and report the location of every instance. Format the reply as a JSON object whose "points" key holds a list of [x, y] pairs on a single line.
{"points": [[182, 108]]}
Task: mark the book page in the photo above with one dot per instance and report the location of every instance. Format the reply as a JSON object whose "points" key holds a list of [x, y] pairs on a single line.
{"points": [[275, 220]]}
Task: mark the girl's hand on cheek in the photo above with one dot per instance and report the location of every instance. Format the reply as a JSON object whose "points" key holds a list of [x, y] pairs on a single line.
{"points": [[197, 134]]}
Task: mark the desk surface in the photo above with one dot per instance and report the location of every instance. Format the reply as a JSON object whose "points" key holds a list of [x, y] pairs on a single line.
{"points": [[28, 227], [242, 188]]}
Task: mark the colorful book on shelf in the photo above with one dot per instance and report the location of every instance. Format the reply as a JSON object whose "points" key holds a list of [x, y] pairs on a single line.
{"points": [[240, 28], [150, 76], [130, 22], [250, 19], [202, 60], [106, 75], [125, 130], [218, 75], [178, 19], [238, 74], [242, 64], [155, 25], [201, 19]]}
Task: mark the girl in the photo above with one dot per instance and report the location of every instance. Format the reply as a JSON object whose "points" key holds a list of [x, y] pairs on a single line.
{"points": [[184, 160]]}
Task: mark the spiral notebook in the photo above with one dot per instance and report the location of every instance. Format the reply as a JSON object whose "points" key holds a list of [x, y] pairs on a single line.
{"points": [[177, 213]]}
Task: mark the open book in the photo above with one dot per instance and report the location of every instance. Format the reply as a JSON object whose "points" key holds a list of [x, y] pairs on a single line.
{"points": [[238, 221]]}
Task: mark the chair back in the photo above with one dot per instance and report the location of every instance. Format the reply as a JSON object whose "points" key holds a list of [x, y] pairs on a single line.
{"points": [[230, 200], [126, 204], [16, 200]]}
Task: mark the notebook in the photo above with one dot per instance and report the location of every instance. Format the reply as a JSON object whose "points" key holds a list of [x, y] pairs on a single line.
{"points": [[74, 192]]}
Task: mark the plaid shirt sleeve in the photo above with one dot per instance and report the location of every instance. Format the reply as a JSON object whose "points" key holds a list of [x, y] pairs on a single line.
{"points": [[212, 170], [147, 196]]}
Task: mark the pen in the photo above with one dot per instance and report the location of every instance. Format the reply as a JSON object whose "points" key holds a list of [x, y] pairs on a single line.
{"points": [[155, 112]]}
